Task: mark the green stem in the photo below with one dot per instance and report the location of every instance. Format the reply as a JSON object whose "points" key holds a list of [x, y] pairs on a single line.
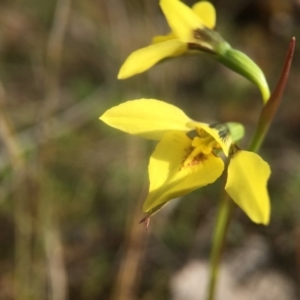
{"points": [[221, 226], [224, 214]]}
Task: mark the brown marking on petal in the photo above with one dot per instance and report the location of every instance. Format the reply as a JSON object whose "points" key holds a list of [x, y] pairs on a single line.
{"points": [[200, 158], [204, 40], [202, 35], [188, 151]]}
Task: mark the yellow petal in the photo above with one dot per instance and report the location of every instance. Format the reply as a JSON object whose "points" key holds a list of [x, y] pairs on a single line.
{"points": [[181, 19], [148, 118], [169, 178], [163, 38], [224, 140], [145, 58], [206, 12], [248, 175]]}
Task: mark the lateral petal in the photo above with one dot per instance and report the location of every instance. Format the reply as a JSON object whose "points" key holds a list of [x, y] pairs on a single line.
{"points": [[169, 178], [143, 59], [181, 19], [206, 12], [248, 175], [224, 141], [148, 118]]}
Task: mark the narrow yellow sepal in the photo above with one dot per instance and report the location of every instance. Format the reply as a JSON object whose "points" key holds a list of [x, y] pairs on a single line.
{"points": [[246, 184], [147, 118], [143, 59]]}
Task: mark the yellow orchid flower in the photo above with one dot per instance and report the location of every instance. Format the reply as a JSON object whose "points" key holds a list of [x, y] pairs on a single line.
{"points": [[187, 156], [192, 32]]}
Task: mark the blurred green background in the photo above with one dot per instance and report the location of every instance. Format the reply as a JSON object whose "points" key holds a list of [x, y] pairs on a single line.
{"points": [[72, 188]]}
